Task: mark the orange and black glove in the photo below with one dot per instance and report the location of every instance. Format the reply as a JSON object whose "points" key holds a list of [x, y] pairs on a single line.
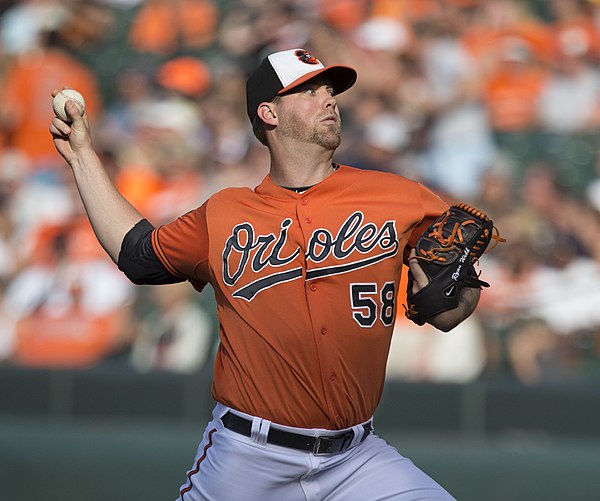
{"points": [[447, 252]]}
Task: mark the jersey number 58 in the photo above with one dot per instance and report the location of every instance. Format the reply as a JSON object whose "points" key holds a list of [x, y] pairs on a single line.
{"points": [[370, 304]]}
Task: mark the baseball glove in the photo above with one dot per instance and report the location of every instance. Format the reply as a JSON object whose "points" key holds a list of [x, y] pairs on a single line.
{"points": [[447, 252]]}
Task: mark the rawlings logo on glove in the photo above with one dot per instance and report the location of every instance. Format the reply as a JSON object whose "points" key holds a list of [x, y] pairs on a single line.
{"points": [[447, 252]]}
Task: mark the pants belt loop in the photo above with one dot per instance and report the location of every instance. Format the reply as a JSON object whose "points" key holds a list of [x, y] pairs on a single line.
{"points": [[260, 430], [358, 435], [360, 432], [220, 410]]}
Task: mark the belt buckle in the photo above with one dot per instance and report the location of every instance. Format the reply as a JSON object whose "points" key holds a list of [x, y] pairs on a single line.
{"points": [[316, 450], [323, 444]]}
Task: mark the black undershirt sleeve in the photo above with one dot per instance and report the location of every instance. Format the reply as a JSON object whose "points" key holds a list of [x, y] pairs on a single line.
{"points": [[138, 260]]}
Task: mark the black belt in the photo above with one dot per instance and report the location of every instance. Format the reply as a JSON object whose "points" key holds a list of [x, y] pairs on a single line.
{"points": [[324, 444]]}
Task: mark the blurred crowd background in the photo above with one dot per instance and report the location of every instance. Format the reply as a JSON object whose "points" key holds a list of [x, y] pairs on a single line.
{"points": [[492, 102]]}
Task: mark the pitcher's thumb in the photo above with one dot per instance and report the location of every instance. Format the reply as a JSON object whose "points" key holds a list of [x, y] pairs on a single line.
{"points": [[74, 112]]}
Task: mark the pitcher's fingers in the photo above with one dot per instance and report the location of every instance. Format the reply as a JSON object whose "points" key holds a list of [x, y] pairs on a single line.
{"points": [[419, 276], [58, 127]]}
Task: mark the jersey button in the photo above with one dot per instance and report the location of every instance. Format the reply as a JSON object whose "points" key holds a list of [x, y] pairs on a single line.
{"points": [[308, 220], [313, 287], [323, 331], [304, 201], [332, 376]]}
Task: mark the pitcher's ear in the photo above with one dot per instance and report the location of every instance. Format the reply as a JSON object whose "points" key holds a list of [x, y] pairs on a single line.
{"points": [[266, 112]]}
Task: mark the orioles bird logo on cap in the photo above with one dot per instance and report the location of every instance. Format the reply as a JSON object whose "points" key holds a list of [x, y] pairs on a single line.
{"points": [[305, 57]]}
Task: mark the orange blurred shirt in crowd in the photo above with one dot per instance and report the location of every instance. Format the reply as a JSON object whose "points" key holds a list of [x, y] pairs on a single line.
{"points": [[345, 15], [138, 184], [483, 37], [69, 338], [482, 42], [70, 332], [161, 25], [417, 10], [27, 104], [511, 94], [407, 10]]}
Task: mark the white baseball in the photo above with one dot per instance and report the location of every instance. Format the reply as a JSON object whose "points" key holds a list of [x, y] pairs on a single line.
{"points": [[59, 101]]}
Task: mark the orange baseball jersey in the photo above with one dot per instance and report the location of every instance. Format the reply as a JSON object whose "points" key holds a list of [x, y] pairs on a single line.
{"points": [[306, 289]]}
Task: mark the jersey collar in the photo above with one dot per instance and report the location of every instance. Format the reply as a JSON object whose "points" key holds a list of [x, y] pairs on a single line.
{"points": [[269, 189]]}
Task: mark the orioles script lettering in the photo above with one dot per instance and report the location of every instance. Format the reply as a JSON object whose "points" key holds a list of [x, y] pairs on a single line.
{"points": [[352, 247]]}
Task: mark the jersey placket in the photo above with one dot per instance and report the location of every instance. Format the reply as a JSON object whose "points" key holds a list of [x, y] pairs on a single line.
{"points": [[323, 333]]}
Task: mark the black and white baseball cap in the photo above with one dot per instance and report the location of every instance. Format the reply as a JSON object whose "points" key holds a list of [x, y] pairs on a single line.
{"points": [[282, 71]]}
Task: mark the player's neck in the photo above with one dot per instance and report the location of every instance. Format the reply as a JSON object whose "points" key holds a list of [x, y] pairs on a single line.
{"points": [[305, 170], [293, 176]]}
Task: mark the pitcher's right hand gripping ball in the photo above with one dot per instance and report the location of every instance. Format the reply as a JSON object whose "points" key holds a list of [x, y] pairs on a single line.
{"points": [[61, 98], [447, 252]]}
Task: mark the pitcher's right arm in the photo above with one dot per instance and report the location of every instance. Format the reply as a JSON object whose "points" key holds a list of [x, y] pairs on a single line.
{"points": [[110, 214]]}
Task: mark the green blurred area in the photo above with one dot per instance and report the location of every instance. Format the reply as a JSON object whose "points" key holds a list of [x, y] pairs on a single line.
{"points": [[107, 434], [137, 461]]}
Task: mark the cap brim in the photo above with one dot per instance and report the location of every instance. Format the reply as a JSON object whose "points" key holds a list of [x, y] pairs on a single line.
{"points": [[342, 78]]}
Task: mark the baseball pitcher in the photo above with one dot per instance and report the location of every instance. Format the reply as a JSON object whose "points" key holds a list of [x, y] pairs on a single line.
{"points": [[305, 269]]}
